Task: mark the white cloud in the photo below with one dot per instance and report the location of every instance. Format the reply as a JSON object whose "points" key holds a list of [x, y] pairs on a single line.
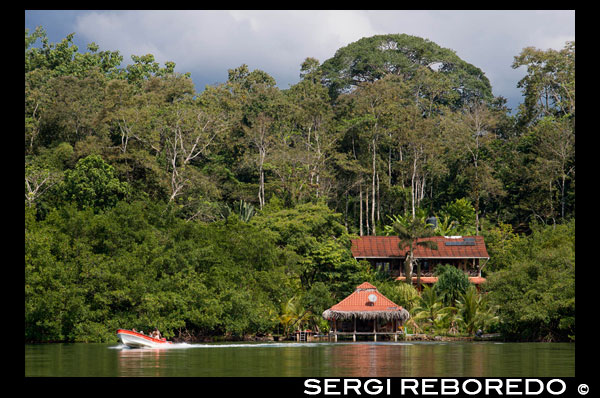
{"points": [[207, 43], [210, 42]]}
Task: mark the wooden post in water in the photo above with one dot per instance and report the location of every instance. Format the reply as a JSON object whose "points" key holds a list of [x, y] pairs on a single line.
{"points": [[375, 329], [354, 334], [335, 330]]}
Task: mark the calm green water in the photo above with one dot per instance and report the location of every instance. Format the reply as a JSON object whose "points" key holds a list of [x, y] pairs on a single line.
{"points": [[360, 359]]}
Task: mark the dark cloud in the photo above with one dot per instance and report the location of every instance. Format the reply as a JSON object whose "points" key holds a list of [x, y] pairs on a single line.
{"points": [[207, 43]]}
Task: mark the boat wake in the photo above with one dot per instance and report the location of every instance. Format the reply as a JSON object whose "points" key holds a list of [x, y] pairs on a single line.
{"points": [[291, 344], [175, 346]]}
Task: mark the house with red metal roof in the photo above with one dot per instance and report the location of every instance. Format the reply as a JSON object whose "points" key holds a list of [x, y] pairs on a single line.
{"points": [[366, 312], [467, 253]]}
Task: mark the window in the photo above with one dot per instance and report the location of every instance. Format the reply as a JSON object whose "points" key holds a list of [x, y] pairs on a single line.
{"points": [[383, 267]]}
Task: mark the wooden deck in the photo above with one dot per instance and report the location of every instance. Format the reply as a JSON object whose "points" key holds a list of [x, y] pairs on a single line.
{"points": [[354, 334]]}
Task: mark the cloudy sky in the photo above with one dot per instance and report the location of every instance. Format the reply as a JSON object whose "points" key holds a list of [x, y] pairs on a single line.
{"points": [[208, 43]]}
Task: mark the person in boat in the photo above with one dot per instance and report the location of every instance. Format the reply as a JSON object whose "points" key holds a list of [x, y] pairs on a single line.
{"points": [[156, 334]]}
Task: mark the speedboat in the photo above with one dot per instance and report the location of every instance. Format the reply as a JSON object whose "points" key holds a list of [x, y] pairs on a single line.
{"points": [[136, 340]]}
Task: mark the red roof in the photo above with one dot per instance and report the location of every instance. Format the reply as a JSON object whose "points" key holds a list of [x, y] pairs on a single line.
{"points": [[365, 285], [448, 247], [476, 279], [359, 301]]}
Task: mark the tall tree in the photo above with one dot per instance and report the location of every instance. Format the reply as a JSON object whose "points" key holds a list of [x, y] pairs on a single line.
{"points": [[472, 130], [38, 181], [549, 164], [371, 58], [313, 118], [259, 135], [413, 232], [261, 106], [549, 85], [190, 130], [375, 109], [547, 118]]}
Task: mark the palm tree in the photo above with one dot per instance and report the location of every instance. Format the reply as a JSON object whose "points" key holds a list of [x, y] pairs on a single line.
{"points": [[431, 307], [473, 310], [292, 313], [246, 211], [409, 231], [445, 226], [430, 304]]}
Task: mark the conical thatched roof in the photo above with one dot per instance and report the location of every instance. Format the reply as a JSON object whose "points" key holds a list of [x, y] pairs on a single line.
{"points": [[358, 304]]}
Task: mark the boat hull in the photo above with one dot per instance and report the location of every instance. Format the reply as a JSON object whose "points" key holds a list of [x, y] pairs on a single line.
{"points": [[137, 340]]}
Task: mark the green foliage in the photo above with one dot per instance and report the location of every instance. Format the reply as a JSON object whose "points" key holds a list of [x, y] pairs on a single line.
{"points": [[445, 226], [412, 232], [64, 59], [244, 210], [474, 312], [503, 246], [131, 267], [292, 315], [549, 85], [463, 214], [535, 291], [92, 184], [452, 282], [430, 312], [371, 58], [316, 244], [400, 293]]}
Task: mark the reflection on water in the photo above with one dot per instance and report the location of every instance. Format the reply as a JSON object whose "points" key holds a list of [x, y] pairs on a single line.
{"points": [[140, 362], [345, 359]]}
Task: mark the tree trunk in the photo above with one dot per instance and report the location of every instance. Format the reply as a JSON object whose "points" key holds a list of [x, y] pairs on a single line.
{"points": [[378, 201], [408, 268], [360, 220], [412, 185], [367, 210], [261, 183], [418, 276], [562, 197], [373, 192], [390, 164], [476, 198]]}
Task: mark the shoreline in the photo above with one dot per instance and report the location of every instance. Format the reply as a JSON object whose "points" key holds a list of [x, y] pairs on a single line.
{"points": [[321, 338]]}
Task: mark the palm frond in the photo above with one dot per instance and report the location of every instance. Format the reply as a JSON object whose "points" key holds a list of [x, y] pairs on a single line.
{"points": [[428, 244]]}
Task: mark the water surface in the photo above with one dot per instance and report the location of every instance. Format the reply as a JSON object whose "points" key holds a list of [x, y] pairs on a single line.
{"points": [[342, 359]]}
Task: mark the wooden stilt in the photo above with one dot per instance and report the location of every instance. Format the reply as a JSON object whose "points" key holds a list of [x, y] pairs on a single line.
{"points": [[335, 330], [374, 329]]}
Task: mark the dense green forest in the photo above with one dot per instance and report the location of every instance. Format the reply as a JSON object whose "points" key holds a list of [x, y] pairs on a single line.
{"points": [[230, 212]]}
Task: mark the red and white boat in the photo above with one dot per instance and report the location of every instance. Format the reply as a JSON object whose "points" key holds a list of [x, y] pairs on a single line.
{"points": [[136, 340]]}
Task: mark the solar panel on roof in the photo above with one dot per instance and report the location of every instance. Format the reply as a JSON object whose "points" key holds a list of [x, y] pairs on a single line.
{"points": [[463, 243]]}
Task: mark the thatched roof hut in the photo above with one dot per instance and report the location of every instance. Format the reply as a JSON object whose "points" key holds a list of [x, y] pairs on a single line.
{"points": [[367, 303]]}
